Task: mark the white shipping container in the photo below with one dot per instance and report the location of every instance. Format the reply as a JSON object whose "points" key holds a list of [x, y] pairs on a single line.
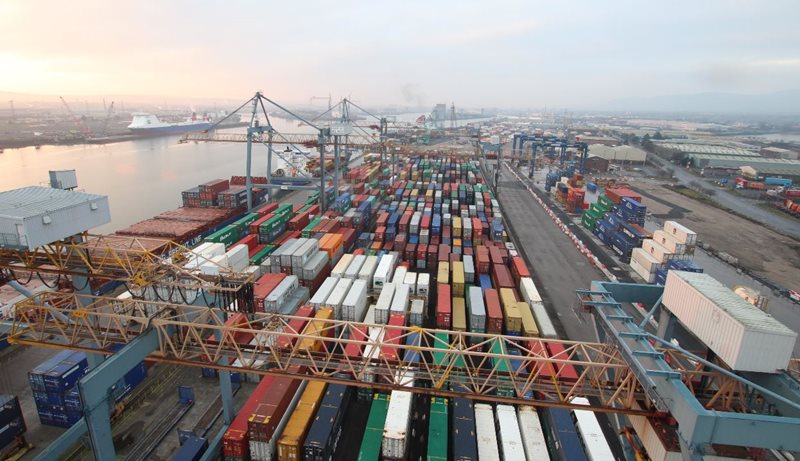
{"points": [[289, 249], [384, 303], [355, 303], [658, 252], [324, 290], [383, 274], [399, 276], [396, 428], [546, 328], [276, 298], [341, 266], [680, 232], [530, 294], [411, 280], [370, 317], [743, 336], [424, 236], [305, 252], [416, 314], [508, 431], [423, 284], [594, 441], [669, 242], [337, 296], [485, 433], [469, 268], [354, 267], [400, 299], [203, 253], [314, 265], [215, 265], [367, 271], [532, 434], [477, 310], [645, 260], [648, 277], [373, 350]]}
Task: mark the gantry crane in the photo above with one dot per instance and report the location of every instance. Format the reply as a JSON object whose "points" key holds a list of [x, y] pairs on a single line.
{"points": [[79, 121], [543, 142]]}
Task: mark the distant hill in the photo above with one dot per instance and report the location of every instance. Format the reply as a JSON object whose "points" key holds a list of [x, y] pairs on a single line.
{"points": [[781, 102]]}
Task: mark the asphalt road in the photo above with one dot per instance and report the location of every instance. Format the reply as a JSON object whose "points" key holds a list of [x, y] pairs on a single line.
{"points": [[782, 224]]}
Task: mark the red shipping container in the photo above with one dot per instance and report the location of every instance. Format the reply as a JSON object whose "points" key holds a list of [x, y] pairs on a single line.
{"points": [[380, 232], [422, 255], [501, 277], [433, 255], [400, 243], [444, 253], [264, 218], [443, 308], [616, 195], [359, 251], [349, 238], [544, 369], [387, 246], [299, 222], [565, 372], [235, 442], [288, 235], [251, 240], [264, 420], [392, 336], [266, 208], [263, 287], [313, 210], [519, 269], [411, 252], [255, 250], [295, 326], [435, 240], [404, 221], [454, 257], [297, 207], [354, 350], [496, 255], [494, 313], [215, 187], [467, 251], [383, 218]]}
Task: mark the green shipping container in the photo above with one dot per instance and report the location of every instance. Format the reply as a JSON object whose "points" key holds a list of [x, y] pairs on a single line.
{"points": [[373, 433], [595, 215], [259, 257], [603, 200], [245, 221], [307, 230], [284, 210], [588, 222], [438, 430], [228, 235]]}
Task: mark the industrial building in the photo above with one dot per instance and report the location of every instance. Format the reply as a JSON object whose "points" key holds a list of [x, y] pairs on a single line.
{"points": [[763, 165], [619, 154]]}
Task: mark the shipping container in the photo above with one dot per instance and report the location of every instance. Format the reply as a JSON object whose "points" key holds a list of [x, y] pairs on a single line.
{"points": [[486, 433], [354, 306], [317, 327], [336, 298], [355, 267], [462, 430], [459, 314], [529, 328], [561, 431], [384, 271], [528, 291], [743, 336], [438, 430], [367, 271], [373, 434], [191, 450], [326, 430], [397, 427], [512, 316], [594, 442], [509, 436], [443, 306], [384, 303], [543, 322], [291, 441], [532, 433], [323, 292], [458, 278], [423, 285], [443, 273], [477, 310]]}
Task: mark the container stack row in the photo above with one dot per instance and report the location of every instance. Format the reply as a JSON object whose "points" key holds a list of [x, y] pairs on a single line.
{"points": [[619, 225], [12, 424], [671, 248]]}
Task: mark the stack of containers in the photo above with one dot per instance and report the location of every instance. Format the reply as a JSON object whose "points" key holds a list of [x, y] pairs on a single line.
{"points": [[51, 382], [209, 191], [12, 424], [621, 230], [674, 242]]}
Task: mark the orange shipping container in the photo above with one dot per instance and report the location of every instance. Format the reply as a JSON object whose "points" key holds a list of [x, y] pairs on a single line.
{"points": [[290, 444]]}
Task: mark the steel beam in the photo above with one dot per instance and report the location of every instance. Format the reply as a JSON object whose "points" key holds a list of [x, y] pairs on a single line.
{"points": [[94, 387], [215, 445], [64, 442]]}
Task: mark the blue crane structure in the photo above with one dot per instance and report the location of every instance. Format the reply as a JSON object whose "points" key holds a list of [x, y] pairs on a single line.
{"points": [[541, 142]]}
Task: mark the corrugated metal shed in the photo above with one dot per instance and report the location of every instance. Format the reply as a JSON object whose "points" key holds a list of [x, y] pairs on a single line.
{"points": [[34, 216]]}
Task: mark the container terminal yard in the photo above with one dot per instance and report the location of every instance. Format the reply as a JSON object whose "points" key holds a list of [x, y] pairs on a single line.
{"points": [[383, 298]]}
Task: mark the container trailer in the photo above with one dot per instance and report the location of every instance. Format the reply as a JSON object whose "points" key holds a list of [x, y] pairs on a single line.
{"points": [[533, 439], [594, 442], [566, 445], [373, 433], [438, 430], [326, 430], [462, 431], [398, 420], [290, 444]]}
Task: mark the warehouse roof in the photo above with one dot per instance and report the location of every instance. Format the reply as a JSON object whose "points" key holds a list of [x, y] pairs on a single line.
{"points": [[707, 149], [747, 314], [34, 201]]}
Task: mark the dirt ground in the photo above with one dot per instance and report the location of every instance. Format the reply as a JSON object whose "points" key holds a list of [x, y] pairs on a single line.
{"points": [[762, 250]]}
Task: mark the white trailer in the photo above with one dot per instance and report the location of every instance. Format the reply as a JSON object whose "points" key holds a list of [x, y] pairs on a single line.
{"points": [[509, 434], [532, 434], [485, 433]]}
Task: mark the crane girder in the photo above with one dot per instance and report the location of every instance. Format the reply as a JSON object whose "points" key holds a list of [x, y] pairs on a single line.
{"points": [[137, 261], [466, 364], [299, 139]]}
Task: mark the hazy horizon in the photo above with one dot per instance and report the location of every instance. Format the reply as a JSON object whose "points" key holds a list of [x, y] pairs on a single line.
{"points": [[507, 54]]}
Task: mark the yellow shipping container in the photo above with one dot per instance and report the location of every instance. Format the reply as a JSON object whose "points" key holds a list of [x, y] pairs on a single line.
{"points": [[314, 327], [458, 278], [456, 226], [459, 314], [529, 328], [290, 445], [513, 318], [443, 275]]}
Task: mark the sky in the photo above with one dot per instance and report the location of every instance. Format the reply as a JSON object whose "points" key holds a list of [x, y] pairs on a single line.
{"points": [[508, 54]]}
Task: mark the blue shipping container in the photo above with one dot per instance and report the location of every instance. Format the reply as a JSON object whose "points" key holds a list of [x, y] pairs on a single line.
{"points": [[191, 450]]}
